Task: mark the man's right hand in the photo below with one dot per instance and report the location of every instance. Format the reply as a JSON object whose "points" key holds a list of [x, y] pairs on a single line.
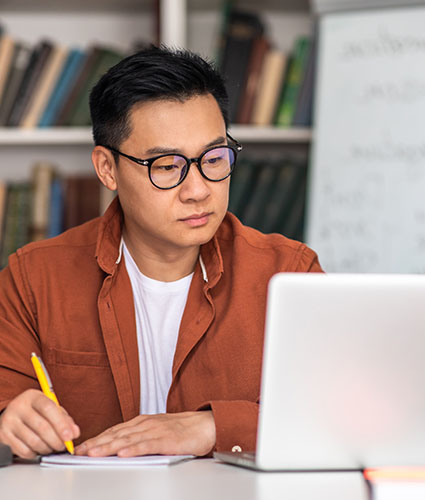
{"points": [[33, 425]]}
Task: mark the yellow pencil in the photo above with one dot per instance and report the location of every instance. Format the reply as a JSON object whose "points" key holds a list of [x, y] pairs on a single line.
{"points": [[47, 388]]}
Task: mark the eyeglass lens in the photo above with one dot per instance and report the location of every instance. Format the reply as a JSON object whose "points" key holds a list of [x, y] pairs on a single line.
{"points": [[216, 164]]}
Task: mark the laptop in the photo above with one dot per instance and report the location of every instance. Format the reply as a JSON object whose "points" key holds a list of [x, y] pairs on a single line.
{"points": [[343, 380]]}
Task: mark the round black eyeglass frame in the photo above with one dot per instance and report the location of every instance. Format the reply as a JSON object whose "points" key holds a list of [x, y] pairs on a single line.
{"points": [[148, 162]]}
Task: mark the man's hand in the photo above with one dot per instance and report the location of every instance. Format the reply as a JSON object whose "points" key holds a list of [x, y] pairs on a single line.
{"points": [[189, 433], [33, 425]]}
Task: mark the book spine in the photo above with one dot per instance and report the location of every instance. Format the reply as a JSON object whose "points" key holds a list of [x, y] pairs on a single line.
{"points": [[292, 85]]}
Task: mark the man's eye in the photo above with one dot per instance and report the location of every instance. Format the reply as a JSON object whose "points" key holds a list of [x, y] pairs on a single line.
{"points": [[211, 161], [167, 168]]}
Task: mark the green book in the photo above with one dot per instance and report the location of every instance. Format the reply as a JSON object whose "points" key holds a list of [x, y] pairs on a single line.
{"points": [[255, 211], [294, 78], [80, 114], [242, 186]]}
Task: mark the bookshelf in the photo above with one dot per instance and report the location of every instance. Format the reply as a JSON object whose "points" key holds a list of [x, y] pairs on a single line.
{"points": [[82, 135]]}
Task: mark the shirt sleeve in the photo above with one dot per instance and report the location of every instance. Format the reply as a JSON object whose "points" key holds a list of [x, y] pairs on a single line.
{"points": [[308, 261], [236, 424], [18, 338]]}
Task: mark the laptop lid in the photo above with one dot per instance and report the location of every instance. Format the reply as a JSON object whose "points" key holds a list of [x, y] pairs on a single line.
{"points": [[343, 382]]}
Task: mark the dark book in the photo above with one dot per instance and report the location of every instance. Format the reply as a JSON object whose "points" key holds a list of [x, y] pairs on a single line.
{"points": [[36, 63], [242, 186], [18, 65], [81, 199], [65, 110], [255, 210], [279, 196], [80, 113], [291, 217], [242, 30], [259, 50]]}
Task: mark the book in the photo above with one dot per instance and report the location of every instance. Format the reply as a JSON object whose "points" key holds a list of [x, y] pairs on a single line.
{"points": [[3, 197], [242, 185], [42, 177], [56, 208], [259, 50], [286, 108], [279, 195], [17, 219], [7, 46], [24, 207], [80, 113], [269, 88], [81, 199], [44, 87], [10, 223], [304, 107], [255, 210], [34, 69], [66, 79], [65, 109], [18, 65], [291, 217], [241, 31]]}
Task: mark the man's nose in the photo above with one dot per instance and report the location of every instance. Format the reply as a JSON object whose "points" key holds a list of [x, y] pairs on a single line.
{"points": [[195, 186]]}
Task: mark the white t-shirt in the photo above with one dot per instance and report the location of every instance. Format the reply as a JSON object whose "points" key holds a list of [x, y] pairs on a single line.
{"points": [[159, 309]]}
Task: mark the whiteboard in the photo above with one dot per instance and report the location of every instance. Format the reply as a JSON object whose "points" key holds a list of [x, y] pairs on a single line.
{"points": [[366, 191]]}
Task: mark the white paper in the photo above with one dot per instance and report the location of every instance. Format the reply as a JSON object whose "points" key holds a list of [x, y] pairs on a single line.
{"points": [[67, 460]]}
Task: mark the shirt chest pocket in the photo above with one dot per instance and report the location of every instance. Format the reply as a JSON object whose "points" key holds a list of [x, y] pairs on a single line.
{"points": [[84, 385]]}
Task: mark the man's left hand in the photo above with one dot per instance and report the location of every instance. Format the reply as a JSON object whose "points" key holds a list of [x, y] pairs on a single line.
{"points": [[188, 433]]}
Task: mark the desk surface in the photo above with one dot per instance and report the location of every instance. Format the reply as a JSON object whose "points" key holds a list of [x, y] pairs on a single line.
{"points": [[196, 479]]}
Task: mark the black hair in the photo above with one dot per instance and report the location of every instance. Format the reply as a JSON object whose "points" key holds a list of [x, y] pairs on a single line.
{"points": [[154, 73]]}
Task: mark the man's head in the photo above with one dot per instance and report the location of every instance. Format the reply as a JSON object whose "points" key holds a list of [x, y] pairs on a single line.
{"points": [[152, 74]]}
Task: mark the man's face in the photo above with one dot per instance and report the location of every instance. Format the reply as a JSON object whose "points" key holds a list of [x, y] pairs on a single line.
{"points": [[188, 215]]}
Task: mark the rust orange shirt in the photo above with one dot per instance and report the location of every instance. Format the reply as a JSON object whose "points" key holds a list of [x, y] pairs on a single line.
{"points": [[69, 299]]}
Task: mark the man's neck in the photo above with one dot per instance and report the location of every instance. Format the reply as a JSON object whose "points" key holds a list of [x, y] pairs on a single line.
{"points": [[171, 266]]}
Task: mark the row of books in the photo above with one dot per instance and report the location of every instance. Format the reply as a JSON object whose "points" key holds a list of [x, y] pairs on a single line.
{"points": [[46, 205], [48, 84], [270, 195], [266, 86]]}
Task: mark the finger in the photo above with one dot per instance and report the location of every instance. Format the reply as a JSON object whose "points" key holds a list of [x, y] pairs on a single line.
{"points": [[34, 441], [110, 435], [18, 447], [60, 422], [152, 446], [41, 427]]}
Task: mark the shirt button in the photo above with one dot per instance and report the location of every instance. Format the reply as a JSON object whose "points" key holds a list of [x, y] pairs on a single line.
{"points": [[236, 449]]}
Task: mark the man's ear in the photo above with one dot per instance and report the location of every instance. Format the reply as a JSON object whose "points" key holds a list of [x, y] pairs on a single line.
{"points": [[104, 164]]}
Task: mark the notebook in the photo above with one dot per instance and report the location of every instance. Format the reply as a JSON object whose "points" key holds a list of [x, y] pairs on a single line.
{"points": [[343, 384]]}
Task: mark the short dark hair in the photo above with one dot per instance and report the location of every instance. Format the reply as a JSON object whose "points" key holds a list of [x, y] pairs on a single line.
{"points": [[154, 73]]}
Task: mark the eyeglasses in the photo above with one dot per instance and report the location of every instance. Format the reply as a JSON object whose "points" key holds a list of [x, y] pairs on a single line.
{"points": [[169, 170]]}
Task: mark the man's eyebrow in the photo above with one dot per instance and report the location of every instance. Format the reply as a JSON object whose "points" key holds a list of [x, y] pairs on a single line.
{"points": [[158, 150]]}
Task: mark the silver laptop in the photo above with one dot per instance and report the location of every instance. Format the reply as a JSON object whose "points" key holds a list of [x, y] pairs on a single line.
{"points": [[343, 384]]}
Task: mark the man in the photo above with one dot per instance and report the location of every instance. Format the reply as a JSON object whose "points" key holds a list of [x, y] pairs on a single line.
{"points": [[149, 319]]}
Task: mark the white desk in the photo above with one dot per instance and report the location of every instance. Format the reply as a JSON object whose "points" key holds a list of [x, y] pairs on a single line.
{"points": [[202, 479]]}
